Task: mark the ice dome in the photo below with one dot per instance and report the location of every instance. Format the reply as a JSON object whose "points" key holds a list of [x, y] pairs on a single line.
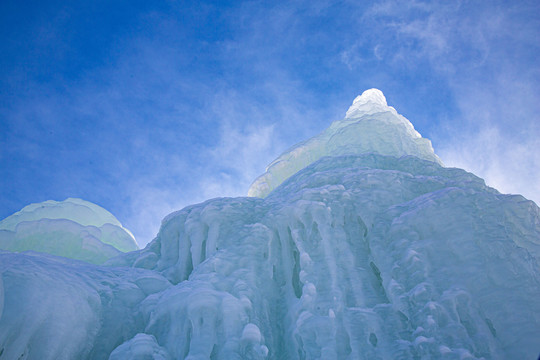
{"points": [[370, 126], [80, 211], [73, 228]]}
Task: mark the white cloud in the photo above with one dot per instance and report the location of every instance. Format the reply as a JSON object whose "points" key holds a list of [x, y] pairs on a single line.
{"points": [[226, 170], [509, 166], [497, 136], [485, 53], [242, 111], [237, 159]]}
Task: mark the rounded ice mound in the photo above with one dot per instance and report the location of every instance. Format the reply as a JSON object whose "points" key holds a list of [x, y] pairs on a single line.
{"points": [[78, 210], [72, 228], [371, 100], [372, 95], [142, 346], [370, 126]]}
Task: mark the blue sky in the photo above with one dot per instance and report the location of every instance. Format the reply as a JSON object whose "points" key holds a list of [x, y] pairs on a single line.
{"points": [[144, 107]]}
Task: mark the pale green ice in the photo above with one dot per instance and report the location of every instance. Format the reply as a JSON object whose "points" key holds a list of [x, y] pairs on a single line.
{"points": [[72, 228]]}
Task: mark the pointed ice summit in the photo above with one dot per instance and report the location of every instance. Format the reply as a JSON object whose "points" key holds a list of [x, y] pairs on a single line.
{"points": [[370, 126], [367, 102]]}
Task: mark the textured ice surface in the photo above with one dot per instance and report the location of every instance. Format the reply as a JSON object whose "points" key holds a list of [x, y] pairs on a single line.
{"points": [[59, 308], [71, 228], [364, 256], [354, 257], [370, 126]]}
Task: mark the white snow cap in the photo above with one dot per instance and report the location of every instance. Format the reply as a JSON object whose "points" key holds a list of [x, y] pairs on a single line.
{"points": [[373, 95], [370, 126], [370, 100]]}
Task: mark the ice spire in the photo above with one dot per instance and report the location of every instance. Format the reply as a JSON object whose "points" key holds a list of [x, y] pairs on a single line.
{"points": [[371, 101], [374, 96], [369, 126]]}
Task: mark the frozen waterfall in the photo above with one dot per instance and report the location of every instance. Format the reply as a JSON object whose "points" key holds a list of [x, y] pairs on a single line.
{"points": [[356, 244]]}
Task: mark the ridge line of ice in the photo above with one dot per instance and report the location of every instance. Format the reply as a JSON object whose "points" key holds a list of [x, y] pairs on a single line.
{"points": [[369, 126]]}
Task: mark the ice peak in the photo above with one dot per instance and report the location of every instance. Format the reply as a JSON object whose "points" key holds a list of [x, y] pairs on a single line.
{"points": [[373, 95], [370, 126], [371, 100]]}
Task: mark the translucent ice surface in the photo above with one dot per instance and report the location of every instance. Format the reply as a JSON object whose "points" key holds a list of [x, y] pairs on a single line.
{"points": [[370, 126], [58, 308], [353, 257], [358, 256], [71, 228]]}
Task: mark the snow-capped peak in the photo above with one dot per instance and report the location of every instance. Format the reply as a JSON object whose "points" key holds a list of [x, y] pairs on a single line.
{"points": [[373, 95], [371, 100], [370, 126]]}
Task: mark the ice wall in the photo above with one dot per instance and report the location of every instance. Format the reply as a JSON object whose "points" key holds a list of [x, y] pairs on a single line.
{"points": [[72, 228], [354, 257], [58, 308], [359, 256], [370, 126]]}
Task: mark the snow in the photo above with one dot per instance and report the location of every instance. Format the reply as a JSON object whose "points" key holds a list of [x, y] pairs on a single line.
{"points": [[372, 98], [354, 256], [71, 228]]}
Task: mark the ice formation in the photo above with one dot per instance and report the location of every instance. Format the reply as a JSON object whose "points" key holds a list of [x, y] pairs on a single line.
{"points": [[356, 256], [370, 126], [72, 228]]}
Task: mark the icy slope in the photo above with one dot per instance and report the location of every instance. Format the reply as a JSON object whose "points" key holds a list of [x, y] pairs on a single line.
{"points": [[370, 126], [361, 256], [355, 257], [72, 228], [59, 308]]}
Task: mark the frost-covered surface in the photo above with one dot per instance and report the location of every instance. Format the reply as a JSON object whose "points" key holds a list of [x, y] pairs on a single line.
{"points": [[353, 257], [370, 126], [72, 228], [359, 257], [59, 308]]}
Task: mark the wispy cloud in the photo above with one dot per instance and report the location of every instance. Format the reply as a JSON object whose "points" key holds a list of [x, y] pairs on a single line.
{"points": [[508, 165], [486, 55], [190, 102]]}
